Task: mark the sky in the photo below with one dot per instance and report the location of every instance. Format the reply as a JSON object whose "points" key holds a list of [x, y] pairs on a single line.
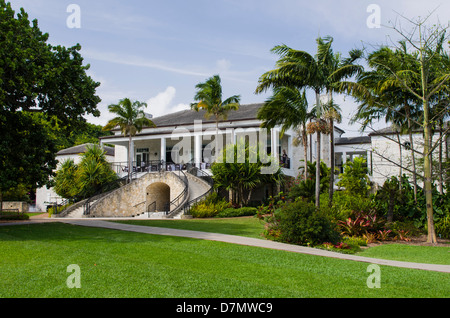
{"points": [[158, 51]]}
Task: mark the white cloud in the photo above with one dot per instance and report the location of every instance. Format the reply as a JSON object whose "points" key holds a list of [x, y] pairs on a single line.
{"points": [[161, 104]]}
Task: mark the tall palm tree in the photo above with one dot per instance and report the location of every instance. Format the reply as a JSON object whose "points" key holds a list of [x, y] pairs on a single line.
{"points": [[299, 69], [209, 99], [387, 98], [131, 120], [287, 107]]}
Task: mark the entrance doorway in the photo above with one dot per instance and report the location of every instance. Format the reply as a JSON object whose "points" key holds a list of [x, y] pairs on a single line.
{"points": [[158, 197]]}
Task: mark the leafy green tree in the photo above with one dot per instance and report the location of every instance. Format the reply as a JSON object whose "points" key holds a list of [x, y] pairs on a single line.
{"points": [[65, 179], [27, 152], [94, 171], [130, 118], [299, 69], [36, 77], [426, 82], [209, 98], [85, 179], [355, 180], [39, 76], [244, 173], [288, 107]]}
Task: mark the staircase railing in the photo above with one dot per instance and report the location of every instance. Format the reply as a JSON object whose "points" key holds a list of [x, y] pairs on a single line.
{"points": [[206, 177], [178, 201], [113, 185]]}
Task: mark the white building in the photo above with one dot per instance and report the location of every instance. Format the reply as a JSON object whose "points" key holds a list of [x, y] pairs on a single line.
{"points": [[187, 138], [46, 197]]}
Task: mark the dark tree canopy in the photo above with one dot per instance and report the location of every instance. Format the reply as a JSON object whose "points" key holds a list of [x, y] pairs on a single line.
{"points": [[36, 76]]}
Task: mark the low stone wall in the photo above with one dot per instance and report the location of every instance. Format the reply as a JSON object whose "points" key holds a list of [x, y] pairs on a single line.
{"points": [[132, 199], [18, 206]]}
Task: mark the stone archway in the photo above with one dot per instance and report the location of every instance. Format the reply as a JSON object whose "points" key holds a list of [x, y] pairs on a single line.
{"points": [[158, 196]]}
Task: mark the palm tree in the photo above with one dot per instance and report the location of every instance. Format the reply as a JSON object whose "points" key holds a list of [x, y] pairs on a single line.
{"points": [[384, 97], [209, 99], [131, 120], [299, 69], [287, 107]]}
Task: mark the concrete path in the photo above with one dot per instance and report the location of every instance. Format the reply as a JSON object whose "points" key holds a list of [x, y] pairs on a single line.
{"points": [[252, 242]]}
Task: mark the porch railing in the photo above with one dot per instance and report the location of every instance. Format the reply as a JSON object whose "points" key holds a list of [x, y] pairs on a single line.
{"points": [[121, 168]]}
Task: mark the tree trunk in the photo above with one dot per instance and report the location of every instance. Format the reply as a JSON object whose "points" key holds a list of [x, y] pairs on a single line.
{"points": [[249, 196], [390, 215], [318, 113], [318, 170], [440, 177], [431, 238], [305, 149], [332, 164], [230, 195], [447, 170], [401, 162], [413, 157], [130, 162]]}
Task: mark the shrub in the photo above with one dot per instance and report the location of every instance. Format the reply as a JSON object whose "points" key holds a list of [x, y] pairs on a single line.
{"points": [[361, 225], [10, 216], [210, 207], [300, 223], [346, 205], [443, 227], [355, 179], [231, 212]]}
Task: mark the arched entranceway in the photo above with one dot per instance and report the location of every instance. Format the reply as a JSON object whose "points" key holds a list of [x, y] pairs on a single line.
{"points": [[158, 197]]}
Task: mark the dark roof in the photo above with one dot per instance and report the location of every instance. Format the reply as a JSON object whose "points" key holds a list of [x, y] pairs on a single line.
{"points": [[187, 117], [76, 150], [394, 130], [353, 140]]}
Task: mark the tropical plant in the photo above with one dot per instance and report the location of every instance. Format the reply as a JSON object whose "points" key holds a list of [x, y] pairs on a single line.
{"points": [[355, 180], [86, 178], [298, 69], [426, 78], [299, 223], [131, 119], [244, 173], [65, 179], [209, 99], [288, 107]]}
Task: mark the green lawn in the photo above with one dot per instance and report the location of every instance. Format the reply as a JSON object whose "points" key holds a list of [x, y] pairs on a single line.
{"points": [[252, 227], [243, 226], [34, 261], [410, 253]]}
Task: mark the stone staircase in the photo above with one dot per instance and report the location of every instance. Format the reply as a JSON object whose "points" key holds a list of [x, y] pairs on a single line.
{"points": [[197, 187]]}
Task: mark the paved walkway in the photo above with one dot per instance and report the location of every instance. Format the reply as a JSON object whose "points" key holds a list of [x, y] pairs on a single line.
{"points": [[99, 223], [253, 242]]}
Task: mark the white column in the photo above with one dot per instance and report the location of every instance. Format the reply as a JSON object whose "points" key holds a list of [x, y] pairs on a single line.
{"points": [[163, 149], [275, 139], [197, 150]]}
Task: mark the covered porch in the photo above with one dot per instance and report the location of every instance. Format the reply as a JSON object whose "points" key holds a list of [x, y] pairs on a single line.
{"points": [[183, 150]]}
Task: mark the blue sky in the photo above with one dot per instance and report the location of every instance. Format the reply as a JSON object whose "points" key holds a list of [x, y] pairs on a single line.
{"points": [[157, 51]]}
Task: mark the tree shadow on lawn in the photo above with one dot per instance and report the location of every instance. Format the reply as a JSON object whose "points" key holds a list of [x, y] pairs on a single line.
{"points": [[67, 234]]}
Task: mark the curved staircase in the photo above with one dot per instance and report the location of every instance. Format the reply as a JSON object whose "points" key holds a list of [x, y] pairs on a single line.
{"points": [[198, 185]]}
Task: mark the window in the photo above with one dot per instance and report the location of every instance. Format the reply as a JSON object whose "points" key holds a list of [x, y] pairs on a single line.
{"points": [[407, 145]]}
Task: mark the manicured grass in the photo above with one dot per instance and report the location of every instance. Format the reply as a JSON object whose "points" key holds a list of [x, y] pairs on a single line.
{"points": [[241, 226], [252, 227], [34, 261], [410, 253]]}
